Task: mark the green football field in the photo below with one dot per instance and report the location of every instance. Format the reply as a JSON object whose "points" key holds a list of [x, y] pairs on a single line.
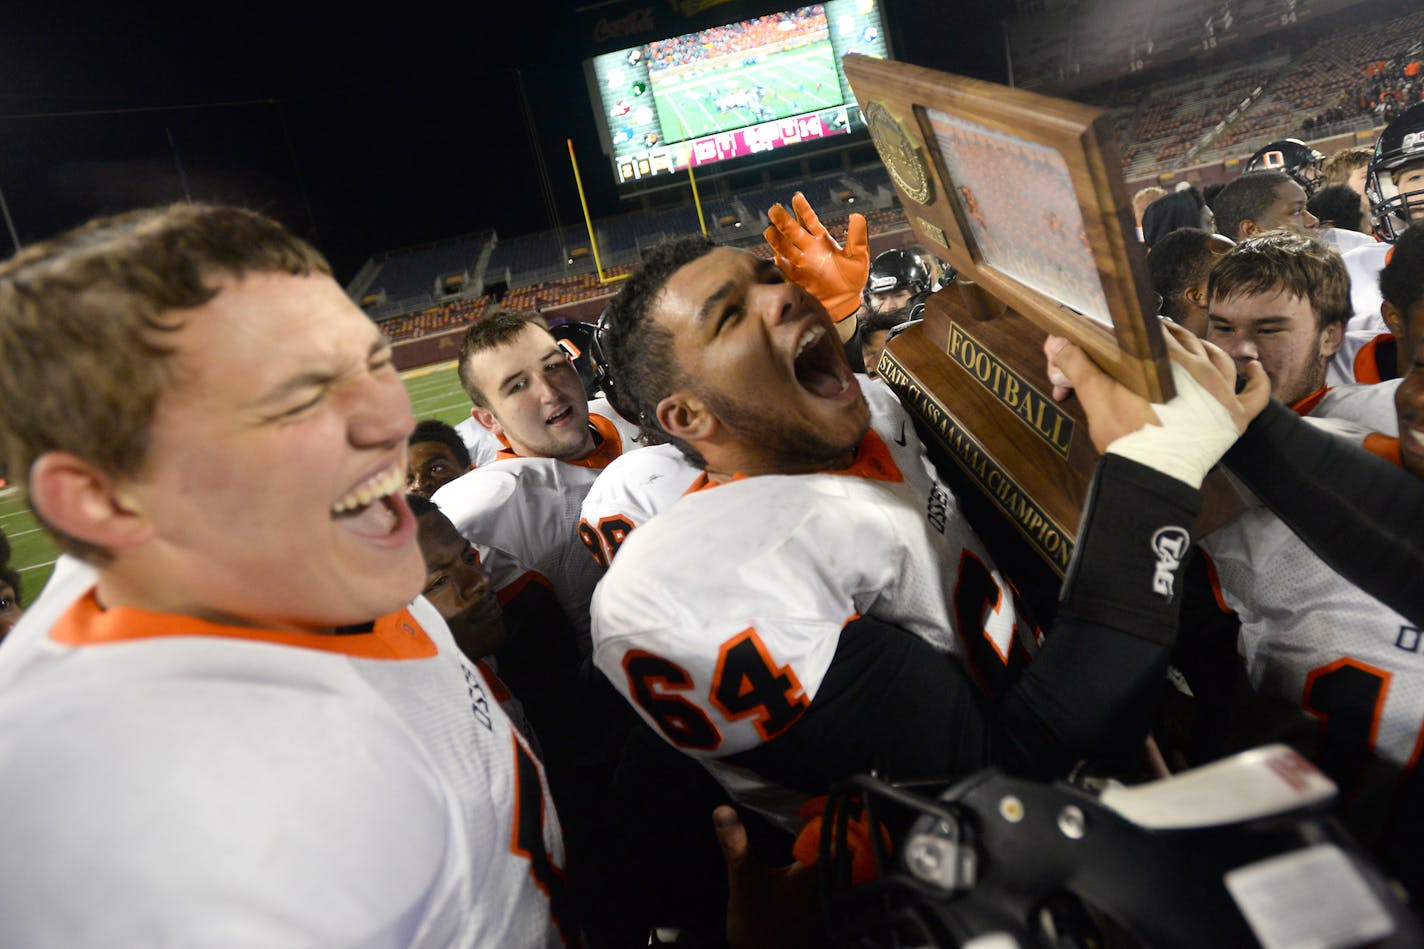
{"points": [[800, 81], [434, 393]]}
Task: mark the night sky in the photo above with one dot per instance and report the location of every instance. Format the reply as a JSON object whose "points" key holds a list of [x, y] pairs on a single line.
{"points": [[363, 132]]}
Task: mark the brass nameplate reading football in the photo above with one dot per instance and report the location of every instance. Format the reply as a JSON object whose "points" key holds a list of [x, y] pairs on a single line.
{"points": [[1035, 409], [1047, 536]]}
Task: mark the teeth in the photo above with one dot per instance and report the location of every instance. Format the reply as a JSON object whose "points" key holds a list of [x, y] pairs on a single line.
{"points": [[809, 338], [377, 486], [1417, 435]]}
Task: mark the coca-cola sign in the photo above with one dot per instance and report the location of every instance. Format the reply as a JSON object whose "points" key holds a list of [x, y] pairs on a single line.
{"points": [[636, 21]]}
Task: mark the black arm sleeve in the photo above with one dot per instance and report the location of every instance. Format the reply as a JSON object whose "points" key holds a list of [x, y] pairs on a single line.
{"points": [[892, 703], [1356, 511]]}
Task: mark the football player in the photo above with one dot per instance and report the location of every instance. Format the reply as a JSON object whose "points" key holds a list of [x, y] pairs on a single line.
{"points": [[209, 730], [897, 280], [436, 456], [521, 512], [1312, 640], [787, 631], [1262, 201], [1282, 300], [1395, 187]]}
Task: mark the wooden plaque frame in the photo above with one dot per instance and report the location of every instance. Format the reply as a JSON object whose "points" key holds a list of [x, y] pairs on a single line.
{"points": [[1024, 195], [1055, 143]]}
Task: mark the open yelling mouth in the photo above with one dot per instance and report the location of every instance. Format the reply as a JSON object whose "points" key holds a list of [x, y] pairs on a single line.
{"points": [[375, 508], [819, 363]]}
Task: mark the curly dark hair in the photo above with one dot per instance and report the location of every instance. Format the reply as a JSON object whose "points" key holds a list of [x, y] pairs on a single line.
{"points": [[434, 430], [638, 351]]}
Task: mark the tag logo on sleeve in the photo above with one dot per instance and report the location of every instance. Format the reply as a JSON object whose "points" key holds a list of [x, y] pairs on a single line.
{"points": [[1169, 545]]}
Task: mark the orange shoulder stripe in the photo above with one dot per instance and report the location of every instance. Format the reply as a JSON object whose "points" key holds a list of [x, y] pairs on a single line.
{"points": [[506, 594], [1384, 446]]}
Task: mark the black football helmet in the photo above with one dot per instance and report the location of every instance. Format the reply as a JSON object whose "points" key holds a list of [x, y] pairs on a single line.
{"points": [[1237, 853], [897, 270], [578, 341], [1292, 156], [650, 432], [1401, 143]]}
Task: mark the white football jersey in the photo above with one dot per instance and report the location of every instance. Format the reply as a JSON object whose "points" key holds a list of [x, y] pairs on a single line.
{"points": [[170, 781], [1364, 265], [482, 443], [630, 491], [719, 617], [1369, 406], [522, 515], [1312, 639], [1344, 367]]}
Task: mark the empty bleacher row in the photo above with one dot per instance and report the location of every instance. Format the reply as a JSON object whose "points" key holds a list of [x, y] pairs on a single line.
{"points": [[422, 290], [1062, 41]]}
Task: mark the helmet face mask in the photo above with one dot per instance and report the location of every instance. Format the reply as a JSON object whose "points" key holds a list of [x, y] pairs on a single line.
{"points": [[1396, 179], [1292, 157]]}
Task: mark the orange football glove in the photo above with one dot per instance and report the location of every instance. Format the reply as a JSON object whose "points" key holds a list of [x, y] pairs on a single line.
{"points": [[807, 848], [809, 256]]}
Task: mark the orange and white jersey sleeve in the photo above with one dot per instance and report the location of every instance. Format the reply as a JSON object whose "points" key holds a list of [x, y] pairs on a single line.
{"points": [[605, 417], [173, 781], [521, 514], [629, 492]]}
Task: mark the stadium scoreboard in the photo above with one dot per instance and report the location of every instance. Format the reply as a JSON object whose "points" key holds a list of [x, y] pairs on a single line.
{"points": [[740, 89]]}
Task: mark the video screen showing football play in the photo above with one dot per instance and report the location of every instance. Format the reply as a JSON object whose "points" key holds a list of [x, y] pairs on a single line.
{"points": [[739, 89]]}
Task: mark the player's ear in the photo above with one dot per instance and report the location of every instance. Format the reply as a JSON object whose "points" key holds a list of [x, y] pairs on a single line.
{"points": [[1246, 230], [1331, 337], [485, 417], [1197, 295], [1394, 320], [685, 416], [85, 503]]}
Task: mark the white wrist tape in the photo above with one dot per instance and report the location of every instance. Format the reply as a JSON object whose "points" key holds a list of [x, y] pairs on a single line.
{"points": [[1196, 431]]}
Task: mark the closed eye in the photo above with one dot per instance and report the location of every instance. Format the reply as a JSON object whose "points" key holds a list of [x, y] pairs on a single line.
{"points": [[302, 407], [728, 315]]}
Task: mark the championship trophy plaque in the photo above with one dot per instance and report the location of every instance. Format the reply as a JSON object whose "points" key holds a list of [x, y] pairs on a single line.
{"points": [[1023, 194]]}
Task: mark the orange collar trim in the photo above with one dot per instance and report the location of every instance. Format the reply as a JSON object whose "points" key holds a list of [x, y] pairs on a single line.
{"points": [[872, 461], [394, 636], [1368, 367], [608, 445], [1385, 447], [1307, 405]]}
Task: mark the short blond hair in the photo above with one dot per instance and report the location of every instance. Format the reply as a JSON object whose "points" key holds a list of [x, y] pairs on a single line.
{"points": [[1145, 197], [1339, 166], [84, 319]]}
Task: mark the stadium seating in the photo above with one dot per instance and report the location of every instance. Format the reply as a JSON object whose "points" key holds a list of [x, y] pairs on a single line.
{"points": [[1187, 119]]}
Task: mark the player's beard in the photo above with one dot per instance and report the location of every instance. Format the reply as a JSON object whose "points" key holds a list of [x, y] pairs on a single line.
{"points": [[797, 446]]}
